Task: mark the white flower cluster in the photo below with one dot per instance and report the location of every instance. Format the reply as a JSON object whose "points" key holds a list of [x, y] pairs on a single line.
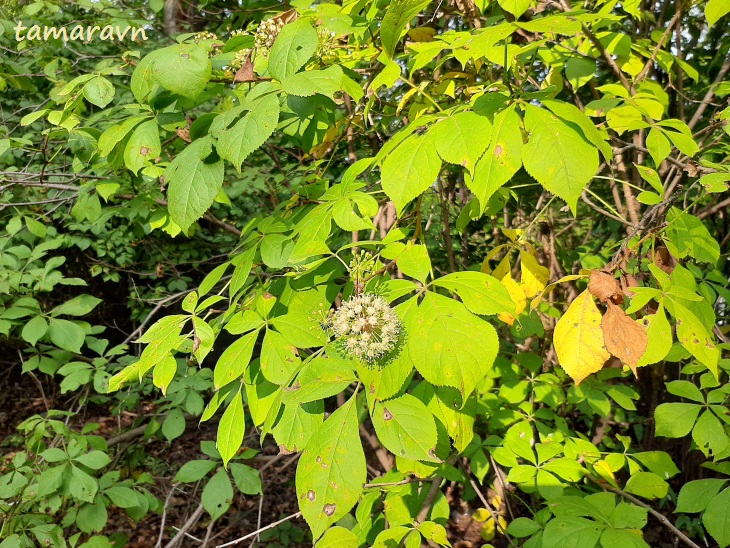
{"points": [[267, 32], [205, 35], [239, 60], [367, 325]]}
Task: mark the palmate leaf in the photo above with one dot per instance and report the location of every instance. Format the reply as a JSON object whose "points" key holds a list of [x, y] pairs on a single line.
{"points": [[449, 345], [331, 471]]}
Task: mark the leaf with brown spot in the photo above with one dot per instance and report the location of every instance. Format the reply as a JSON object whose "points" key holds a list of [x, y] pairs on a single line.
{"points": [[603, 286], [624, 336], [331, 471], [664, 260]]}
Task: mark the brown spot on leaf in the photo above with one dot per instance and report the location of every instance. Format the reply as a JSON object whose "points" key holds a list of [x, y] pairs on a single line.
{"points": [[498, 150], [387, 415], [329, 509], [311, 495]]}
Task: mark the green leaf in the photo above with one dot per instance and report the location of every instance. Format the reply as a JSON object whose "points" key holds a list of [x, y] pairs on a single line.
{"points": [[338, 537], [300, 329], [143, 146], [231, 429], [95, 460], [321, 378], [78, 306], [658, 462], [557, 156], [194, 470], [279, 358], [571, 532], [415, 262], [406, 428], [83, 486], [658, 145], [293, 47], [685, 389], [297, 424], [164, 373], [143, 77], [247, 479], [579, 71], [250, 132], [174, 425], [123, 497], [515, 7], [99, 91], [695, 338], [34, 330], [454, 138], [715, 9], [183, 69], [688, 236], [410, 169], [331, 470], [628, 516], [480, 293], [234, 360], [116, 133], [449, 345], [326, 82], [716, 518], [217, 494], [625, 539], [67, 335], [696, 495], [398, 14], [659, 333], [647, 485], [709, 435], [500, 161], [193, 182], [675, 420], [91, 517], [523, 527]]}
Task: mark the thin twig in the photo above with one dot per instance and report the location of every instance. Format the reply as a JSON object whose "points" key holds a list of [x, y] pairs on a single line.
{"points": [[164, 515], [188, 525], [266, 528]]}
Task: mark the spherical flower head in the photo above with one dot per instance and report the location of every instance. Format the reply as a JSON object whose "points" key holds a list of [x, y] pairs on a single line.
{"points": [[266, 34], [368, 326]]}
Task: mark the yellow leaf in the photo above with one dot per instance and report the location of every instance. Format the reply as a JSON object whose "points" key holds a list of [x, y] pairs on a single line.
{"points": [[534, 276], [503, 268], [422, 34], [603, 470], [517, 296], [538, 299], [578, 339], [513, 234]]}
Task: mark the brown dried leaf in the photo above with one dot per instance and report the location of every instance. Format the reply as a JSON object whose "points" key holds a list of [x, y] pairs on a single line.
{"points": [[245, 73], [624, 336], [184, 134], [664, 260], [603, 286]]}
